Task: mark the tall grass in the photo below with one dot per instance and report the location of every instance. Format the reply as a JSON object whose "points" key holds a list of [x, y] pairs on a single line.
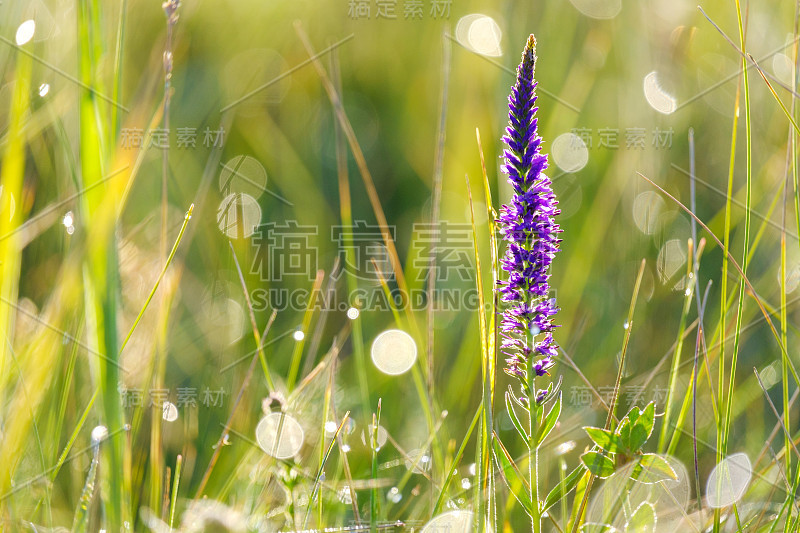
{"points": [[80, 332]]}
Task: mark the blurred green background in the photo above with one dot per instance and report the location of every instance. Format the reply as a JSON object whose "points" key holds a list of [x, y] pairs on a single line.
{"points": [[621, 85]]}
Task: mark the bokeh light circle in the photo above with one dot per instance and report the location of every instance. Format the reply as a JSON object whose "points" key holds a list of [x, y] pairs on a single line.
{"points": [[394, 352]]}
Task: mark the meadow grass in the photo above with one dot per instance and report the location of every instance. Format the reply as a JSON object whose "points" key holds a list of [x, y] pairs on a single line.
{"points": [[149, 293]]}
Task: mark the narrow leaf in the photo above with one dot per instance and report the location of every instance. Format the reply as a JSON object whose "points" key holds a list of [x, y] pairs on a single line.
{"points": [[512, 475], [513, 416], [549, 421], [564, 488]]}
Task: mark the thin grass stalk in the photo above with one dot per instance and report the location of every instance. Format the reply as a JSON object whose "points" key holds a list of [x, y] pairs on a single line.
{"points": [[12, 175], [441, 134], [615, 396], [745, 258], [492, 343], [346, 217], [724, 286], [456, 460], [373, 494], [297, 352], [676, 356], [486, 400]]}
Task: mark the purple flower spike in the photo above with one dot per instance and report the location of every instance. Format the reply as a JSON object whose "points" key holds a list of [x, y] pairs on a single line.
{"points": [[527, 225]]}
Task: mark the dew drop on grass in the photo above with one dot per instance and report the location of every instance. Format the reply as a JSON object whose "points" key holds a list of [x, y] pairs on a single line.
{"points": [[657, 97], [99, 433], [169, 412], [422, 460], [25, 32], [279, 435], [569, 152], [44, 89], [394, 495], [298, 335], [353, 313], [466, 484], [728, 481], [394, 352]]}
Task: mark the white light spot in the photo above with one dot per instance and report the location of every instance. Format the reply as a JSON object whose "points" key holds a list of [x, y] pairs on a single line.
{"points": [[782, 67], [769, 375], [792, 278], [647, 209], [569, 152], [565, 447], [99, 433], [68, 219], [243, 174], [169, 412], [598, 9], [345, 496], [330, 428], [394, 495], [670, 259], [657, 97], [298, 335], [382, 436], [422, 460], [25, 32], [238, 215], [345, 448], [450, 521], [466, 484], [480, 33], [44, 89], [728, 481], [394, 352], [353, 313], [279, 435]]}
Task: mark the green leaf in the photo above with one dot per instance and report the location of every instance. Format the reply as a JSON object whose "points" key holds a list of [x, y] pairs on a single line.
{"points": [[512, 476], [607, 440], [549, 422], [564, 487], [653, 468], [642, 426], [512, 414], [598, 464], [643, 519], [624, 431]]}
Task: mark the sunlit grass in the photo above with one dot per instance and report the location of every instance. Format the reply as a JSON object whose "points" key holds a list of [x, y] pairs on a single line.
{"points": [[380, 130]]}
